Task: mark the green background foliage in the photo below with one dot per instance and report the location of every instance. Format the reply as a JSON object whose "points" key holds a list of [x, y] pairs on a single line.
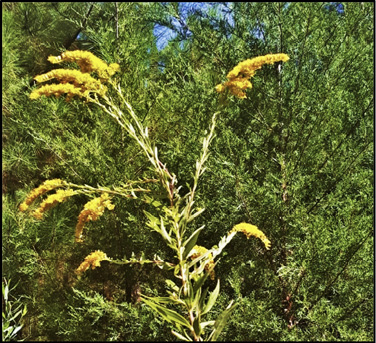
{"points": [[295, 158]]}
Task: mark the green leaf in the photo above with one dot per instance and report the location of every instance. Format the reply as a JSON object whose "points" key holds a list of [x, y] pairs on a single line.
{"points": [[196, 299], [153, 221], [212, 298], [222, 244], [152, 201], [18, 328], [199, 258], [167, 314], [183, 338], [24, 311], [205, 324], [200, 281], [190, 294], [10, 328], [203, 297], [177, 269], [158, 226], [191, 242], [16, 315], [5, 292], [164, 233], [168, 300], [221, 321], [194, 215], [197, 326]]}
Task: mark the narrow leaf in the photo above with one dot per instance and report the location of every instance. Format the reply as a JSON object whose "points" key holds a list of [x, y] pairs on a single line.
{"points": [[220, 323], [5, 292], [167, 314], [178, 335], [204, 324], [222, 244], [196, 299], [202, 299], [199, 258], [164, 233], [212, 298], [200, 282], [197, 327], [194, 215], [168, 300], [191, 242], [18, 328]]}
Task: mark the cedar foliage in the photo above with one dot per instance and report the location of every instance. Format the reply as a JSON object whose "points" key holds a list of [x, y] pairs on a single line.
{"points": [[295, 158]]}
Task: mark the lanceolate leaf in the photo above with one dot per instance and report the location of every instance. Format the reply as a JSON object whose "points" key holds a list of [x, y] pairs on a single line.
{"points": [[221, 321], [154, 221], [199, 258], [164, 233], [212, 298], [183, 338], [197, 326], [222, 244], [167, 300], [205, 324], [167, 314], [191, 242], [203, 297], [200, 282], [197, 298], [194, 215]]}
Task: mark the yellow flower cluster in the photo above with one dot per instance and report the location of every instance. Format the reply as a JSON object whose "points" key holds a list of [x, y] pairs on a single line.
{"points": [[75, 82], [87, 62], [51, 201], [93, 260], [251, 230], [199, 251], [36, 192], [240, 75], [84, 81], [92, 210], [57, 90]]}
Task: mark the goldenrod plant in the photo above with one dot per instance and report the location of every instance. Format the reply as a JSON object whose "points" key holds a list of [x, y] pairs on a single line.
{"points": [[189, 300], [294, 157]]}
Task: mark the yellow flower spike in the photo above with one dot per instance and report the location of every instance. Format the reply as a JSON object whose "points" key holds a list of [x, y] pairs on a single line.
{"points": [[75, 82], [199, 251], [87, 62], [92, 210], [93, 260], [46, 186], [77, 78], [251, 230], [57, 90], [239, 75], [51, 201]]}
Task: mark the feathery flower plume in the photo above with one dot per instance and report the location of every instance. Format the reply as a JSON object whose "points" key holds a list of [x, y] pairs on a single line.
{"points": [[46, 186], [92, 210], [251, 230], [199, 251], [75, 82], [240, 75], [77, 78], [57, 90], [51, 201], [93, 260], [88, 63]]}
